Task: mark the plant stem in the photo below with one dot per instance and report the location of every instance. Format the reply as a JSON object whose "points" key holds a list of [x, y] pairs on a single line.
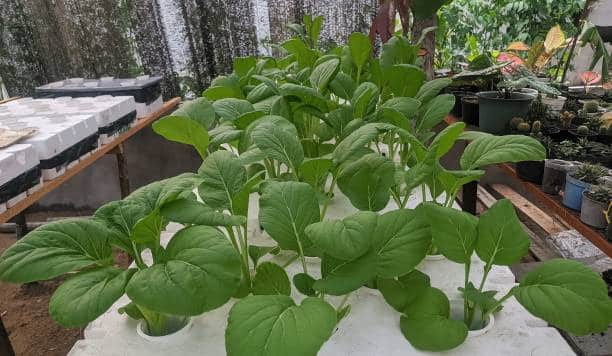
{"points": [[423, 193], [242, 252], [329, 194], [465, 286], [138, 258], [343, 301], [290, 261]]}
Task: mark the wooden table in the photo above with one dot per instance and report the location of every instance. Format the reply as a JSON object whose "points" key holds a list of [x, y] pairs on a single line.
{"points": [[114, 147], [549, 202]]}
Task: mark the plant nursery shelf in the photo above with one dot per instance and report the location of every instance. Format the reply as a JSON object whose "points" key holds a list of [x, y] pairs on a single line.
{"points": [[555, 206], [109, 148]]}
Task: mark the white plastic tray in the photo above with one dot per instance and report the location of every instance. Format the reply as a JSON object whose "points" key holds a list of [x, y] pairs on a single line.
{"points": [[16, 160], [370, 329]]}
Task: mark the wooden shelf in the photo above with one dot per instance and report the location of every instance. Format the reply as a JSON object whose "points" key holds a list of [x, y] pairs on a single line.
{"points": [[51, 185]]}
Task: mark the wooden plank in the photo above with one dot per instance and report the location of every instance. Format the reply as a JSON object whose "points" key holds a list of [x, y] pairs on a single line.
{"points": [[532, 212], [557, 208], [51, 185], [9, 99]]}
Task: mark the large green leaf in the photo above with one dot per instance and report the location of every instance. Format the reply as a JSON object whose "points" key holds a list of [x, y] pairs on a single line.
{"points": [[240, 203], [87, 295], [152, 196], [306, 95], [343, 86], [285, 209], [119, 217], [398, 50], [200, 272], [259, 93], [242, 65], [489, 149], [501, 238], [453, 232], [358, 139], [367, 181], [446, 138], [199, 110], [55, 249], [364, 99], [247, 137], [315, 170], [435, 111], [231, 109], [188, 211], [427, 326], [276, 326], [408, 107], [568, 295], [183, 130], [431, 89], [405, 79], [341, 277], [360, 47], [222, 178], [305, 56], [271, 279], [344, 239], [147, 229], [324, 73], [279, 144], [401, 292]]}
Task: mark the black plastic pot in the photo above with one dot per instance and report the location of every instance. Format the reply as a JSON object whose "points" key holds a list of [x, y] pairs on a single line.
{"points": [[469, 109], [530, 171], [553, 179], [457, 109], [605, 32], [496, 110]]}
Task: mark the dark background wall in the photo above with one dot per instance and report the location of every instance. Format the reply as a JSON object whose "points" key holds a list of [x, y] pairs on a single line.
{"points": [[188, 42]]}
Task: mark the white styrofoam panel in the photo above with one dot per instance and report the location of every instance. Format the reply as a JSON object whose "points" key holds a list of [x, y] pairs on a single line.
{"points": [[143, 109], [370, 329], [54, 134], [16, 160]]}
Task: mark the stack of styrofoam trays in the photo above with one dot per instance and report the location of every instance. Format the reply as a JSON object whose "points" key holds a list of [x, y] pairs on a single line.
{"points": [[145, 89], [114, 115], [19, 174], [60, 140]]}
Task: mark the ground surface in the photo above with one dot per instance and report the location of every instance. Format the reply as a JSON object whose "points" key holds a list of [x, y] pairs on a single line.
{"points": [[24, 311]]}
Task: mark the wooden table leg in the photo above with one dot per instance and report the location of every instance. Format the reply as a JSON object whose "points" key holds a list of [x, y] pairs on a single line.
{"points": [[124, 179], [21, 225], [6, 349]]}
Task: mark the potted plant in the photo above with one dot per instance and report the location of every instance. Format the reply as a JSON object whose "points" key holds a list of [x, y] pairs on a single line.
{"points": [[531, 171], [595, 202], [578, 180], [558, 164]]}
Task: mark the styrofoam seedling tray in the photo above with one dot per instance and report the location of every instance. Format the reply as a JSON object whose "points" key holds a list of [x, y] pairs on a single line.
{"points": [[16, 160], [142, 109], [106, 108], [36, 188], [57, 133], [370, 329]]}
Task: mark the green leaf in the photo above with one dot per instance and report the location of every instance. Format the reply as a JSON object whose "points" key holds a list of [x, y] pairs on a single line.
{"points": [[246, 142], [366, 182], [222, 178], [200, 272], [431, 89], [360, 47], [339, 119], [276, 326], [324, 73], [358, 139], [401, 292], [305, 56], [422, 9], [445, 140], [303, 283], [426, 323], [343, 86], [131, 310], [242, 65], [199, 110], [222, 92], [568, 295], [257, 252], [315, 170], [271, 279], [231, 109], [285, 209], [148, 229], [261, 92], [489, 149], [405, 79], [279, 144], [119, 217], [401, 241], [152, 196], [484, 301], [408, 107], [364, 99], [183, 130], [342, 277], [344, 239], [87, 295], [501, 238], [55, 249], [435, 111], [398, 50], [223, 134], [433, 333], [240, 202], [454, 232], [187, 211], [245, 120], [306, 95]]}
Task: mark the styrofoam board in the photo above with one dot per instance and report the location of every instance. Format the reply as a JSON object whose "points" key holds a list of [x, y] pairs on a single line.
{"points": [[106, 108], [16, 160], [107, 83], [55, 134], [370, 329], [143, 109]]}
